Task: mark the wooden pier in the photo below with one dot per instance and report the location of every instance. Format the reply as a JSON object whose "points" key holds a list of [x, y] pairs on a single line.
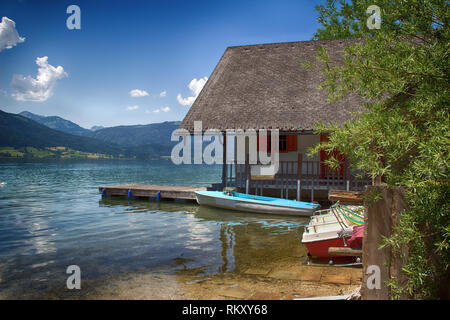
{"points": [[151, 191]]}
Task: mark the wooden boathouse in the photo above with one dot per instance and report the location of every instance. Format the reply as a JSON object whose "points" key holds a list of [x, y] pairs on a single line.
{"points": [[268, 87]]}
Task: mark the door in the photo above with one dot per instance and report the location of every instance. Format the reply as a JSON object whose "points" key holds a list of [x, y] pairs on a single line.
{"points": [[324, 168]]}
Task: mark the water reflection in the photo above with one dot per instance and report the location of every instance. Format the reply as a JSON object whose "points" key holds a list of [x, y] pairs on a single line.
{"points": [[244, 240], [114, 238]]}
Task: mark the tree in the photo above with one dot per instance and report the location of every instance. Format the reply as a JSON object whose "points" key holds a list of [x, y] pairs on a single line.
{"points": [[403, 135]]}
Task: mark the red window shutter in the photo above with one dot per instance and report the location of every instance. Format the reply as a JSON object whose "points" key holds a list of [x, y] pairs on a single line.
{"points": [[291, 143], [324, 156]]}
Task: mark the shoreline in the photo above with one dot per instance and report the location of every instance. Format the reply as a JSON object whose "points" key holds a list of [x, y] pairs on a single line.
{"points": [[280, 282]]}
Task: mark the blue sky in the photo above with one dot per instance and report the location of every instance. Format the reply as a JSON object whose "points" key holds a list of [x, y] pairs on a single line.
{"points": [[154, 46]]}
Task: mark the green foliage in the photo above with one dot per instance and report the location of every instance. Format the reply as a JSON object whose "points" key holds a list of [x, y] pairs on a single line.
{"points": [[402, 72], [338, 21], [371, 197]]}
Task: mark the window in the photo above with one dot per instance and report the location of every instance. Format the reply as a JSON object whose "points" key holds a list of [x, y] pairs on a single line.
{"points": [[283, 144], [287, 143]]}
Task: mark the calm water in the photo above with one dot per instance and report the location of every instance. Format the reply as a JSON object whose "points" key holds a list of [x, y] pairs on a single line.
{"points": [[51, 216]]}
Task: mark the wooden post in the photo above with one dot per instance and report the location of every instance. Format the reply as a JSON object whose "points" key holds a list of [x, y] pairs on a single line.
{"points": [[247, 174], [312, 182], [379, 265], [224, 163], [299, 176]]}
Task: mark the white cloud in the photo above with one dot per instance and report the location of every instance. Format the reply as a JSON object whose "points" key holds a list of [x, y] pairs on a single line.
{"points": [[39, 89], [131, 108], [136, 93], [9, 36], [196, 87], [163, 109], [163, 94]]}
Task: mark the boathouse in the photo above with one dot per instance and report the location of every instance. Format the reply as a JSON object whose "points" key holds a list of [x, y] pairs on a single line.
{"points": [[267, 86]]}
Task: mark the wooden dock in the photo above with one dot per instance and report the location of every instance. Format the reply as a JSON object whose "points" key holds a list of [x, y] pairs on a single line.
{"points": [[151, 191]]}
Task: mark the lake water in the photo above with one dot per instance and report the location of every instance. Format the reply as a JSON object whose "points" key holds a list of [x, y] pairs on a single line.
{"points": [[51, 216]]}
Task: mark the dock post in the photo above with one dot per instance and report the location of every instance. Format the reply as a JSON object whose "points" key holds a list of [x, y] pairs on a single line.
{"points": [[247, 174], [348, 185], [224, 162], [312, 185], [299, 174]]}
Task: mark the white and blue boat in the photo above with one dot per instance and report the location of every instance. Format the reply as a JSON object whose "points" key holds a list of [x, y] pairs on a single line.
{"points": [[250, 203]]}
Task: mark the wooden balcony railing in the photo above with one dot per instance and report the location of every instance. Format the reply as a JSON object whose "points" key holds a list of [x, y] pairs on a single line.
{"points": [[298, 175]]}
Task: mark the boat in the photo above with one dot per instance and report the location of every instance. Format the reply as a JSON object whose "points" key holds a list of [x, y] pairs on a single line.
{"points": [[333, 227], [258, 204]]}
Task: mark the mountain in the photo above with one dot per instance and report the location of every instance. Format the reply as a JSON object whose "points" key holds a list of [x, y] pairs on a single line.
{"points": [[124, 136], [57, 123], [19, 131], [133, 136], [32, 116], [95, 128]]}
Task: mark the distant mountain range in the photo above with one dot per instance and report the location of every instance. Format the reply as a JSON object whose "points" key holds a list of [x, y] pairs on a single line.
{"points": [[125, 136], [95, 128], [57, 123], [30, 130], [132, 136]]}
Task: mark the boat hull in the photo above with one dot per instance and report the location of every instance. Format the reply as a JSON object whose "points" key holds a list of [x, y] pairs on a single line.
{"points": [[319, 249], [325, 231], [238, 204]]}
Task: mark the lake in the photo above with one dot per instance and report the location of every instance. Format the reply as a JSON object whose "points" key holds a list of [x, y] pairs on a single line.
{"points": [[52, 216]]}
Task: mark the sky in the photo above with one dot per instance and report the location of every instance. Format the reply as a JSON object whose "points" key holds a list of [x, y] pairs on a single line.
{"points": [[130, 62]]}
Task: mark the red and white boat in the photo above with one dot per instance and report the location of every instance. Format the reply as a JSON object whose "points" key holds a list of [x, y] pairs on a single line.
{"points": [[333, 227]]}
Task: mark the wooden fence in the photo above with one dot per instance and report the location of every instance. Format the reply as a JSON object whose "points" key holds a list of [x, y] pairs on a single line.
{"points": [[296, 175]]}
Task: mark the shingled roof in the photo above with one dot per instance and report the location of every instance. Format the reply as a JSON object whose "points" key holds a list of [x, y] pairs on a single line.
{"points": [[266, 87]]}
